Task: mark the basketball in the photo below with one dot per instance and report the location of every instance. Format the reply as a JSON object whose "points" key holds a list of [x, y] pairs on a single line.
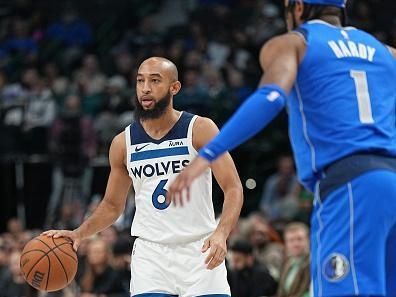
{"points": [[49, 264]]}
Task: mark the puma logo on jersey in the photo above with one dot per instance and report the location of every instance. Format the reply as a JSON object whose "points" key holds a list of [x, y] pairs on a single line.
{"points": [[345, 49], [160, 168], [175, 143]]}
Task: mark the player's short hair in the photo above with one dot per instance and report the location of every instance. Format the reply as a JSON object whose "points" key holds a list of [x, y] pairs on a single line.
{"points": [[315, 11]]}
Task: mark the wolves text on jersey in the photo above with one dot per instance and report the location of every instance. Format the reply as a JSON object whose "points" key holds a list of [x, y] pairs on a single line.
{"points": [[159, 168]]}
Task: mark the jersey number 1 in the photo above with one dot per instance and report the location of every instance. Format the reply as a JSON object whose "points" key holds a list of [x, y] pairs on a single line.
{"points": [[159, 195], [363, 96]]}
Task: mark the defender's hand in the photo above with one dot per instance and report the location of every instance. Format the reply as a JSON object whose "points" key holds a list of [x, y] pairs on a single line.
{"points": [[184, 180], [217, 243], [74, 235]]}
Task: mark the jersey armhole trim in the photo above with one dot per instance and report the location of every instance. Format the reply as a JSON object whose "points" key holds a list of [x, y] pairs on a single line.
{"points": [[128, 144], [190, 133]]}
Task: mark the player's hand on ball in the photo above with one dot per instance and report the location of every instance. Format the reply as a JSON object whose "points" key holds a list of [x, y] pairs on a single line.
{"points": [[181, 184], [217, 243], [73, 235]]}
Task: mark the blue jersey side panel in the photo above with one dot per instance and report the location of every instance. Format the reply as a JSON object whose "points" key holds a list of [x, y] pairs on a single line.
{"points": [[343, 101]]}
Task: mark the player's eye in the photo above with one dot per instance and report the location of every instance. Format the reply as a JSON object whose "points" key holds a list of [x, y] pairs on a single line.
{"points": [[155, 80], [140, 80]]}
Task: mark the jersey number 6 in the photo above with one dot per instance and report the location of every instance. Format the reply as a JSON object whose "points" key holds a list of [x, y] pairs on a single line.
{"points": [[159, 196]]}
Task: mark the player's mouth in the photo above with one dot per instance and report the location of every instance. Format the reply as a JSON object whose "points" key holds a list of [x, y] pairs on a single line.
{"points": [[147, 102]]}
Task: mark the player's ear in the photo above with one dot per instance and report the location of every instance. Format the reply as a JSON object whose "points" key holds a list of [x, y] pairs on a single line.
{"points": [[299, 8], [175, 87]]}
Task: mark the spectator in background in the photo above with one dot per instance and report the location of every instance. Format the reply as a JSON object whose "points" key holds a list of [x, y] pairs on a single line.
{"points": [[266, 23], [295, 275], [98, 277], [12, 97], [14, 285], [192, 97], [278, 200], [247, 277], [221, 103], [124, 63], [121, 262], [109, 235], [70, 215], [70, 34], [267, 245], [237, 85], [15, 229], [20, 45], [73, 145], [115, 112], [71, 30], [3, 261], [57, 83], [90, 83], [39, 113]]}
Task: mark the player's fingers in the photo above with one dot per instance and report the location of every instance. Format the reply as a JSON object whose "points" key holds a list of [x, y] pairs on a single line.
{"points": [[76, 244], [215, 259], [188, 193], [218, 258], [181, 198], [206, 245], [172, 191], [211, 254], [168, 198], [51, 233], [174, 198], [47, 233], [63, 233]]}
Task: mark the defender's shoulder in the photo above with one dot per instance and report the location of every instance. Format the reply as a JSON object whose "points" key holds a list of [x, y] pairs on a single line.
{"points": [[286, 40], [278, 47]]}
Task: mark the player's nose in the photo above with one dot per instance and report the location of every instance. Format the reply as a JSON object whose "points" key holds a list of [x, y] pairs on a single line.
{"points": [[146, 88]]}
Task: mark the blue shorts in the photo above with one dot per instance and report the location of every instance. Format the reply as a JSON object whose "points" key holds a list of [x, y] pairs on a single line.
{"points": [[353, 237]]}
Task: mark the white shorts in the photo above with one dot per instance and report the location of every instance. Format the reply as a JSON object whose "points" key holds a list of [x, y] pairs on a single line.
{"points": [[175, 270]]}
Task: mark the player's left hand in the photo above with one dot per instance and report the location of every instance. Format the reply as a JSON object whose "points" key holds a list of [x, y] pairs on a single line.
{"points": [[184, 180], [217, 243]]}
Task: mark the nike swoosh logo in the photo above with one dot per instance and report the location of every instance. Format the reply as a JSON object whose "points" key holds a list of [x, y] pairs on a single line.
{"points": [[137, 149]]}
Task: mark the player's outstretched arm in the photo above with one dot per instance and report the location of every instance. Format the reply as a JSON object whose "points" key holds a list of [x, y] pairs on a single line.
{"points": [[279, 59], [113, 202]]}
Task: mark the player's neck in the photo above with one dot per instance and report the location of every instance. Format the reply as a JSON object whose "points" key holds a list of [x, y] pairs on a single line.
{"points": [[332, 20], [158, 128]]}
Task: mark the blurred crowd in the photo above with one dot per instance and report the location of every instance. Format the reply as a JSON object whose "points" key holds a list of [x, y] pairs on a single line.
{"points": [[67, 76], [261, 261]]}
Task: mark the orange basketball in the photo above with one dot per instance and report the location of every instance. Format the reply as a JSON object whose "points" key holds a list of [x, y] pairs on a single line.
{"points": [[49, 264]]}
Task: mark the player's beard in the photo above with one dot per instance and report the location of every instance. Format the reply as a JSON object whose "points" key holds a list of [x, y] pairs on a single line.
{"points": [[154, 113]]}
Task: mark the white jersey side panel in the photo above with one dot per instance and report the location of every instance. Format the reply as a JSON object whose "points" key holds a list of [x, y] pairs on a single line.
{"points": [[152, 165]]}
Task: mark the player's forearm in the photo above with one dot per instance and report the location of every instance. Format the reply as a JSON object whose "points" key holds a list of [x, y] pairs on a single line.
{"points": [[103, 216], [233, 200]]}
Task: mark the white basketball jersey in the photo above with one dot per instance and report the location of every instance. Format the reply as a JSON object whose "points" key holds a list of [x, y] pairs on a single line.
{"points": [[153, 164]]}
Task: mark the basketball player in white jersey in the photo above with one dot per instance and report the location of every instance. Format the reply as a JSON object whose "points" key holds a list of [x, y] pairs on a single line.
{"points": [[179, 251]]}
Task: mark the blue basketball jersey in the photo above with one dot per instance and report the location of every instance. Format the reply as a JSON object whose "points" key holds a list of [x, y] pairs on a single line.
{"points": [[343, 100]]}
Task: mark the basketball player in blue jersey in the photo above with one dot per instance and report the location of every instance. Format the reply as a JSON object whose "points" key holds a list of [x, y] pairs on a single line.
{"points": [[179, 251], [339, 87]]}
